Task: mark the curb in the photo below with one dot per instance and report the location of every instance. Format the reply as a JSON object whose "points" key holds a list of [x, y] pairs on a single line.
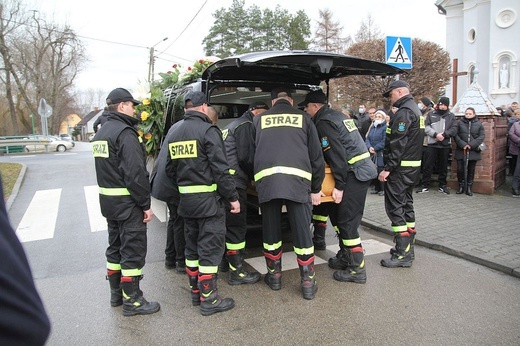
{"points": [[16, 187], [515, 272]]}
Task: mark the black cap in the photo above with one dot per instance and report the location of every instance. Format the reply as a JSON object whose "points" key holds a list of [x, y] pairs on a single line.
{"points": [[444, 101], [394, 85], [197, 98], [426, 101], [258, 105], [280, 92], [120, 95], [315, 96]]}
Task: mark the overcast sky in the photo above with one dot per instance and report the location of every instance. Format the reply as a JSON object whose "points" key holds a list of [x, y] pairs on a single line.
{"points": [[118, 33]]}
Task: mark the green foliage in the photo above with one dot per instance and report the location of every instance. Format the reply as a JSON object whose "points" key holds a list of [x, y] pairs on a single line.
{"points": [[240, 30]]}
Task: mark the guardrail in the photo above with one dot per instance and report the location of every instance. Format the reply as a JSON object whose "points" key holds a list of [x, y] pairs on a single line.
{"points": [[9, 146]]}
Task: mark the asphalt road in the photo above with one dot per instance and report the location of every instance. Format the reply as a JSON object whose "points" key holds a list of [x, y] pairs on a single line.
{"points": [[441, 300]]}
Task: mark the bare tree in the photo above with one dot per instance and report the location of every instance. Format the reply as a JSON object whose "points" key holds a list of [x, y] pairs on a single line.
{"points": [[328, 34], [368, 30]]}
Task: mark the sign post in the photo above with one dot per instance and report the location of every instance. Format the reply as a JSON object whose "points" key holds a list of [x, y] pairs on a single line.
{"points": [[45, 111], [399, 52]]}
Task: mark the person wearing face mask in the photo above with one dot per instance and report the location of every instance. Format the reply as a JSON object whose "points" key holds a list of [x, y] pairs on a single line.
{"points": [[362, 120], [440, 127], [469, 136], [375, 143]]}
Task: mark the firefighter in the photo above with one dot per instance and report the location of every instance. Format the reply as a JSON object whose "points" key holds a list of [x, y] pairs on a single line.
{"points": [[198, 164], [288, 169], [402, 165], [239, 149], [320, 215], [124, 197], [353, 170]]}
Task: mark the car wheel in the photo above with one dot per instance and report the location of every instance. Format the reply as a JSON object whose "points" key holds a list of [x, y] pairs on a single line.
{"points": [[61, 148]]}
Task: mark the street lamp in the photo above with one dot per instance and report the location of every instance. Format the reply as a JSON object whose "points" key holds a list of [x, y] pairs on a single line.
{"points": [[152, 60]]}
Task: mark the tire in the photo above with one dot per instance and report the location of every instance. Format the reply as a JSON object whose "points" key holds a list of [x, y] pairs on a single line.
{"points": [[61, 148]]}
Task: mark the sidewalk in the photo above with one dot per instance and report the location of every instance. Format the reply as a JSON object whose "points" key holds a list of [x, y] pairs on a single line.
{"points": [[482, 229]]}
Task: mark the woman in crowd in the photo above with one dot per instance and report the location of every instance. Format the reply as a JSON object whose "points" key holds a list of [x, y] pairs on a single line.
{"points": [[514, 150], [470, 136], [375, 142]]}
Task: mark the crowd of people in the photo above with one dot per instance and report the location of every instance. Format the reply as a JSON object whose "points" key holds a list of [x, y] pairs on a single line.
{"points": [[281, 149]]}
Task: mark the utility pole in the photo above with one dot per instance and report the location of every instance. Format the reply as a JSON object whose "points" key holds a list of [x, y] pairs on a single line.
{"points": [[151, 62]]}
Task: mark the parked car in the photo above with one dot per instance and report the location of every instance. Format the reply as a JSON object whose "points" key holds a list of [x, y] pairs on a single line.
{"points": [[91, 137], [54, 144], [66, 137]]}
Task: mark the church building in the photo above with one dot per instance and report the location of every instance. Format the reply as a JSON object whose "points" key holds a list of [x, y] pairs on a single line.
{"points": [[484, 34]]}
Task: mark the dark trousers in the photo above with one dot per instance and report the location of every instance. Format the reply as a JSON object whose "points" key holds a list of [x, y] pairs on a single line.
{"points": [[175, 242], [471, 170], [516, 177], [127, 242], [205, 238], [236, 224], [442, 156], [299, 215], [399, 201], [347, 215]]}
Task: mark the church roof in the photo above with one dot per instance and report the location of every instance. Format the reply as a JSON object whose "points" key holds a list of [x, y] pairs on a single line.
{"points": [[476, 98]]}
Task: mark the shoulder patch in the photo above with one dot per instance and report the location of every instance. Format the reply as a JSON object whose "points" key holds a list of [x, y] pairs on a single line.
{"points": [[325, 145], [401, 126]]}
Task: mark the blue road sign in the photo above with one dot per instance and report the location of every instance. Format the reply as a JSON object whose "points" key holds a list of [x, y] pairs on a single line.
{"points": [[399, 51]]}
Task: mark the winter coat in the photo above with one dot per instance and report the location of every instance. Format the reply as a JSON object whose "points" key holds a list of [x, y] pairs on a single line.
{"points": [[514, 139], [376, 137], [440, 122], [474, 130]]}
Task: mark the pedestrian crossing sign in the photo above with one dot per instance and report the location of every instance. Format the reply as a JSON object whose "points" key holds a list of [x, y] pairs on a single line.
{"points": [[399, 51]]}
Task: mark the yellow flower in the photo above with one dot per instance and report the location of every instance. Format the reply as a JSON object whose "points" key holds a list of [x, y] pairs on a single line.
{"points": [[144, 115], [140, 133], [148, 136], [146, 102]]}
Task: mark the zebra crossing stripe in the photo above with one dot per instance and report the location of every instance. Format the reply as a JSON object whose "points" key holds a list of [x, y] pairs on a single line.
{"points": [[96, 219], [39, 220]]}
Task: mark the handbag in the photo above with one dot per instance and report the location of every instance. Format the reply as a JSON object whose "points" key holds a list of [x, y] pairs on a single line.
{"points": [[481, 147]]}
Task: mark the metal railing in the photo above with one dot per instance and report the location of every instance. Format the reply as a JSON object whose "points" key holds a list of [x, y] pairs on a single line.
{"points": [[10, 146]]}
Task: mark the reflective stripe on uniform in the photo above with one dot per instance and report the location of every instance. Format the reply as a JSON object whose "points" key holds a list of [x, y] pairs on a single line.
{"points": [[239, 246], [113, 266], [131, 272], [114, 191], [232, 171], [283, 170], [399, 229], [358, 158], [272, 247], [208, 269], [304, 251], [192, 263], [410, 224], [351, 242], [322, 218], [388, 130], [198, 188], [411, 163]]}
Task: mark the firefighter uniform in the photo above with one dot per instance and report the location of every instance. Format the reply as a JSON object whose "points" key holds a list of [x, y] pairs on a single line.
{"points": [[353, 170], [288, 166], [198, 163], [239, 150], [402, 159], [124, 194]]}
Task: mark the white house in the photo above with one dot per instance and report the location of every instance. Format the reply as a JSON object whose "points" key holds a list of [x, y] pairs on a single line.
{"points": [[484, 34]]}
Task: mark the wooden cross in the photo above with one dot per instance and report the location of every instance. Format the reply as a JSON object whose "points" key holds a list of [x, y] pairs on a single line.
{"points": [[454, 74]]}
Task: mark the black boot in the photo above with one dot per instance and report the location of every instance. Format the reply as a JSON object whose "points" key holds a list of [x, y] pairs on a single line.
{"points": [[412, 232], [341, 260], [355, 271], [193, 279], [460, 191], [308, 279], [319, 235], [237, 273], [133, 300], [468, 190], [211, 302], [402, 256], [114, 279], [273, 260]]}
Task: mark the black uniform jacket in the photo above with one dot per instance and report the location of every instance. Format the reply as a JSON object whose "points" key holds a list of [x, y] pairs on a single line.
{"points": [[240, 148], [120, 160], [343, 147], [404, 140], [198, 163], [288, 162], [470, 131], [163, 187]]}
